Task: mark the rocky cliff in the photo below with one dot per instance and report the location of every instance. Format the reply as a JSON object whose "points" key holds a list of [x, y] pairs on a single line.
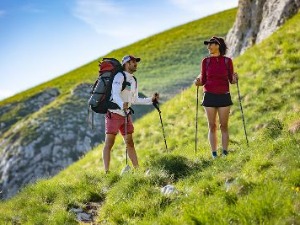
{"points": [[257, 20], [50, 139]]}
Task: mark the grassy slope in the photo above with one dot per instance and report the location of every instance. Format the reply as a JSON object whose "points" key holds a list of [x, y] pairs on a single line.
{"points": [[263, 180]]}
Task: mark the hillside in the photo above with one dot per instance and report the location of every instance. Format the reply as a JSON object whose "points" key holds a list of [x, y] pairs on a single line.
{"points": [[45, 129], [259, 184]]}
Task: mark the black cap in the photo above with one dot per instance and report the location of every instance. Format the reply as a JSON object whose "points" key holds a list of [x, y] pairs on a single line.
{"points": [[213, 40]]}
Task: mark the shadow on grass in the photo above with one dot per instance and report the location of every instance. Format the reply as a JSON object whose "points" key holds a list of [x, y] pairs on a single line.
{"points": [[177, 167]]}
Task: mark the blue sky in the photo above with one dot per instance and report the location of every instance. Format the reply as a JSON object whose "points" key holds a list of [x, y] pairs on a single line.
{"points": [[42, 39]]}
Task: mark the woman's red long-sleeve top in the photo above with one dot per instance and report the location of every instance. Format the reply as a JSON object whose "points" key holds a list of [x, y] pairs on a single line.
{"points": [[215, 76]]}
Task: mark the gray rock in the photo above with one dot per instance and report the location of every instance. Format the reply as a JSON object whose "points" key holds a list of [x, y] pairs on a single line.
{"points": [[257, 20]]}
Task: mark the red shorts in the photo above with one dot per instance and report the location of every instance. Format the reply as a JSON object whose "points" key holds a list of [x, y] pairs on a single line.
{"points": [[115, 123]]}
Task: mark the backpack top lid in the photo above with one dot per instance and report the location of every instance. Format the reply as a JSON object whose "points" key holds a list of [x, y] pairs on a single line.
{"points": [[106, 66], [109, 64]]}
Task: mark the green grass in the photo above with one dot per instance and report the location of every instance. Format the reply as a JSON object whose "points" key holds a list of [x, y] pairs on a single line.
{"points": [[259, 184]]}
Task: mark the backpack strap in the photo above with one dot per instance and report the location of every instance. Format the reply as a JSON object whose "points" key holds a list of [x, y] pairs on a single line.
{"points": [[227, 65], [124, 82], [135, 80], [207, 60], [112, 105]]}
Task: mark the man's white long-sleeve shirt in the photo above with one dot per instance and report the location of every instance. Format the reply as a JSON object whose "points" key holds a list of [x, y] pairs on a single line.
{"points": [[129, 94]]}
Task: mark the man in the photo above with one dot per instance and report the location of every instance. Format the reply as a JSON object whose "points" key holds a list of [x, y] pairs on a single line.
{"points": [[115, 118]]}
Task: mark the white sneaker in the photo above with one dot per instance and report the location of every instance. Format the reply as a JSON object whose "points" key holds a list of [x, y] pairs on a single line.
{"points": [[126, 169]]}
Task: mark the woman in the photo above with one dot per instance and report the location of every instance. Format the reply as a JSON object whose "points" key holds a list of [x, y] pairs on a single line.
{"points": [[216, 74]]}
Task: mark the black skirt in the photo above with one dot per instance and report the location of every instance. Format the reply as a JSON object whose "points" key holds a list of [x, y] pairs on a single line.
{"points": [[216, 100]]}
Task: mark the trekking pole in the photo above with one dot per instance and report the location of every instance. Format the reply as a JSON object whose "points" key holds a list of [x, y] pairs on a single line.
{"points": [[126, 123], [155, 104], [196, 133], [127, 167], [240, 100]]}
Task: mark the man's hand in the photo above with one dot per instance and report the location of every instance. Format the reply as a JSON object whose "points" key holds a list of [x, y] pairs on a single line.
{"points": [[155, 97], [125, 105]]}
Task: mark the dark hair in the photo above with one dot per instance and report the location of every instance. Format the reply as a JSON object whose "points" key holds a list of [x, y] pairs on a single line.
{"points": [[223, 46]]}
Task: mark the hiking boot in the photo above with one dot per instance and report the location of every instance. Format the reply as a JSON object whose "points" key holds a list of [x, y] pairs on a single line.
{"points": [[225, 152], [214, 155]]}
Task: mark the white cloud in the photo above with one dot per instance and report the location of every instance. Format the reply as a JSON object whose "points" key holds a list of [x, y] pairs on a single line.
{"points": [[131, 22], [97, 14], [107, 17], [204, 7], [98, 7]]}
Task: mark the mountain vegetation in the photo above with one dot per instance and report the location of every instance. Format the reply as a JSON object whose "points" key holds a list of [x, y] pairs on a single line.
{"points": [[255, 184]]}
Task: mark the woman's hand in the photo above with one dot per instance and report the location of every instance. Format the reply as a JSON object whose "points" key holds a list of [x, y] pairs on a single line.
{"points": [[235, 78], [198, 82]]}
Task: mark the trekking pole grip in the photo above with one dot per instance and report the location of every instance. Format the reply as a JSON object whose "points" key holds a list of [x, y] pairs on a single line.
{"points": [[155, 104]]}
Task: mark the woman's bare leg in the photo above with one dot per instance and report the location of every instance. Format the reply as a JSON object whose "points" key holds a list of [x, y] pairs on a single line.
{"points": [[211, 114]]}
